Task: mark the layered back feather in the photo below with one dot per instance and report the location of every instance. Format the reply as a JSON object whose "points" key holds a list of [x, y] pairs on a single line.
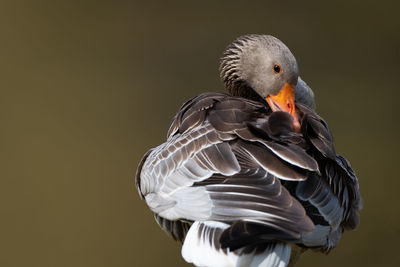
{"points": [[240, 171]]}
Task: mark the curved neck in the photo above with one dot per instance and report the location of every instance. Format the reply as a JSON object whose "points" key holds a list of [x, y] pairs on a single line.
{"points": [[242, 89]]}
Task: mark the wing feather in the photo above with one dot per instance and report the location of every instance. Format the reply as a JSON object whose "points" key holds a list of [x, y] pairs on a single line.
{"points": [[224, 161]]}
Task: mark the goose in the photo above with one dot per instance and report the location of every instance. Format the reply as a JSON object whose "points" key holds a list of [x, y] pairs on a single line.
{"points": [[251, 177]]}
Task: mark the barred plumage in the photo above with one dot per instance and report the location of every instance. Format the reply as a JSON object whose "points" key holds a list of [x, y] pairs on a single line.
{"points": [[238, 181]]}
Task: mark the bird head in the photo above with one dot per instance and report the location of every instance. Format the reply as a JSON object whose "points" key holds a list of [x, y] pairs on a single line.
{"points": [[265, 65]]}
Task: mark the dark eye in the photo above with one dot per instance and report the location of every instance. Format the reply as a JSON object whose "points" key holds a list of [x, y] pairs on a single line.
{"points": [[277, 68]]}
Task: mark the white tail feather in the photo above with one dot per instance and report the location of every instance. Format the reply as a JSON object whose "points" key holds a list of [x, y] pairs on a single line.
{"points": [[201, 247]]}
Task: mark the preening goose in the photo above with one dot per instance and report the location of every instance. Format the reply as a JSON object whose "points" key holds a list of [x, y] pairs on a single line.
{"points": [[251, 178]]}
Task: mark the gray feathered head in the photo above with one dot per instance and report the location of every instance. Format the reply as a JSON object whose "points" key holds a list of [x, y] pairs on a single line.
{"points": [[262, 62]]}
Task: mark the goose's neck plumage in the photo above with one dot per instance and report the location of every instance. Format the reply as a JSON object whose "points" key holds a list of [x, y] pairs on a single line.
{"points": [[230, 68]]}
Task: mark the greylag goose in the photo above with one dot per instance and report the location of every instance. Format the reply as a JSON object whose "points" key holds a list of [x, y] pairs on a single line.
{"points": [[251, 178]]}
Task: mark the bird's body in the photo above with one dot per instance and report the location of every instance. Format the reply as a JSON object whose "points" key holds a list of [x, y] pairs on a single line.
{"points": [[244, 180]]}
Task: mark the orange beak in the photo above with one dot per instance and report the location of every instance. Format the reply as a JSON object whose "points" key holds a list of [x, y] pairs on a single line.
{"points": [[284, 101]]}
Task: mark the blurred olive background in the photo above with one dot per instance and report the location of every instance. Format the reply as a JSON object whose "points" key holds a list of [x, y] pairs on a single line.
{"points": [[87, 87]]}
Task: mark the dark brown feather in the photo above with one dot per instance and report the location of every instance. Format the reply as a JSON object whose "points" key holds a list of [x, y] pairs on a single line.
{"points": [[252, 148], [271, 162], [138, 171], [316, 131], [338, 173], [176, 229]]}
